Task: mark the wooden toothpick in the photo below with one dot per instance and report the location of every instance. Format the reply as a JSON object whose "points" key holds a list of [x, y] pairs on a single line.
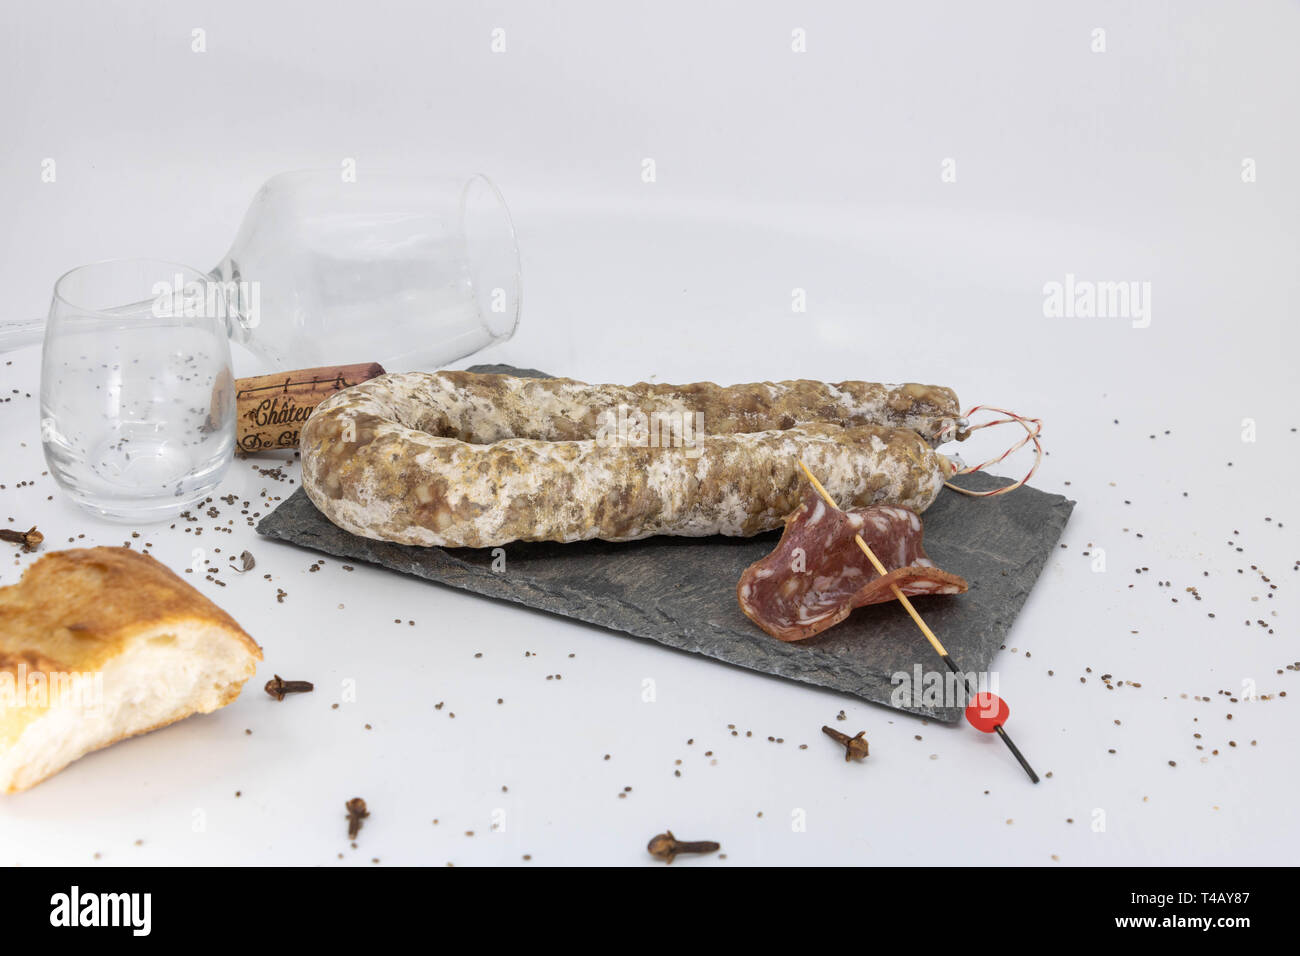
{"points": [[925, 628]]}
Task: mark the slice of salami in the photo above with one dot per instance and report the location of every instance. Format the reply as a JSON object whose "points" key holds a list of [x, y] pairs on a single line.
{"points": [[818, 574]]}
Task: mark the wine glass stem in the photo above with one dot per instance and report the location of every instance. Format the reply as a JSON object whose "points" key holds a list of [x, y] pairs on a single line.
{"points": [[16, 335]]}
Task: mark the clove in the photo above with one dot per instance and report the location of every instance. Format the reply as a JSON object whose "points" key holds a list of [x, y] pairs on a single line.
{"points": [[29, 539], [357, 813], [665, 846], [855, 748], [277, 687]]}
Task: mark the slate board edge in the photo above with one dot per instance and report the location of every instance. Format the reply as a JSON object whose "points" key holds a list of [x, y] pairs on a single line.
{"points": [[477, 581]]}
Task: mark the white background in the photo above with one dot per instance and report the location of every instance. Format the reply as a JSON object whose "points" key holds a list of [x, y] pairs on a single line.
{"points": [[776, 170]]}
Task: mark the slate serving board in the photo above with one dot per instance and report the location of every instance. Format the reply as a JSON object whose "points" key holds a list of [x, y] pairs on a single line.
{"points": [[681, 592]]}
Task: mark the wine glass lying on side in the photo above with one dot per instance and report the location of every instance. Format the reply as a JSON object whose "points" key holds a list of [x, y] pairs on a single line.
{"points": [[408, 270]]}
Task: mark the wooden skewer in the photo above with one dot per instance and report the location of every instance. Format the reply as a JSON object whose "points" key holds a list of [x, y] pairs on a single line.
{"points": [[925, 628]]}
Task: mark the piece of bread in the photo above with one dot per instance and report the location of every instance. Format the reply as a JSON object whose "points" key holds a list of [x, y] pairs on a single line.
{"points": [[100, 644]]}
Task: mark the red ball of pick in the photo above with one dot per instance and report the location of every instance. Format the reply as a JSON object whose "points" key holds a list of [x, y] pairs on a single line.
{"points": [[987, 712]]}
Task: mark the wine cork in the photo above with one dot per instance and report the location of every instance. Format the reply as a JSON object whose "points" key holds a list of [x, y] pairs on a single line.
{"points": [[270, 410]]}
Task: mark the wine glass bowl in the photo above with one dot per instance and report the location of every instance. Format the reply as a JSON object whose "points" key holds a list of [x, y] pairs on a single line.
{"points": [[409, 270]]}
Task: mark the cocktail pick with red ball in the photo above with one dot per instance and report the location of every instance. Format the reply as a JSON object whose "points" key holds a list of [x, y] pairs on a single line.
{"points": [[986, 712]]}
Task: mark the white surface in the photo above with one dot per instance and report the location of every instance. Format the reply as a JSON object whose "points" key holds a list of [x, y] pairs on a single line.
{"points": [[776, 171]]}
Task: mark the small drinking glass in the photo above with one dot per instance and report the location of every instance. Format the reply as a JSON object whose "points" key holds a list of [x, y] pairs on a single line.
{"points": [[137, 393]]}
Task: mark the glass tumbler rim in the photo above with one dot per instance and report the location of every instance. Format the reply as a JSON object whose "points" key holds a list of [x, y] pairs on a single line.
{"points": [[113, 261]]}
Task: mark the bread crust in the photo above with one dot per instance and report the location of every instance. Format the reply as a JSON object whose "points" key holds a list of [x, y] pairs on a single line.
{"points": [[75, 611]]}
